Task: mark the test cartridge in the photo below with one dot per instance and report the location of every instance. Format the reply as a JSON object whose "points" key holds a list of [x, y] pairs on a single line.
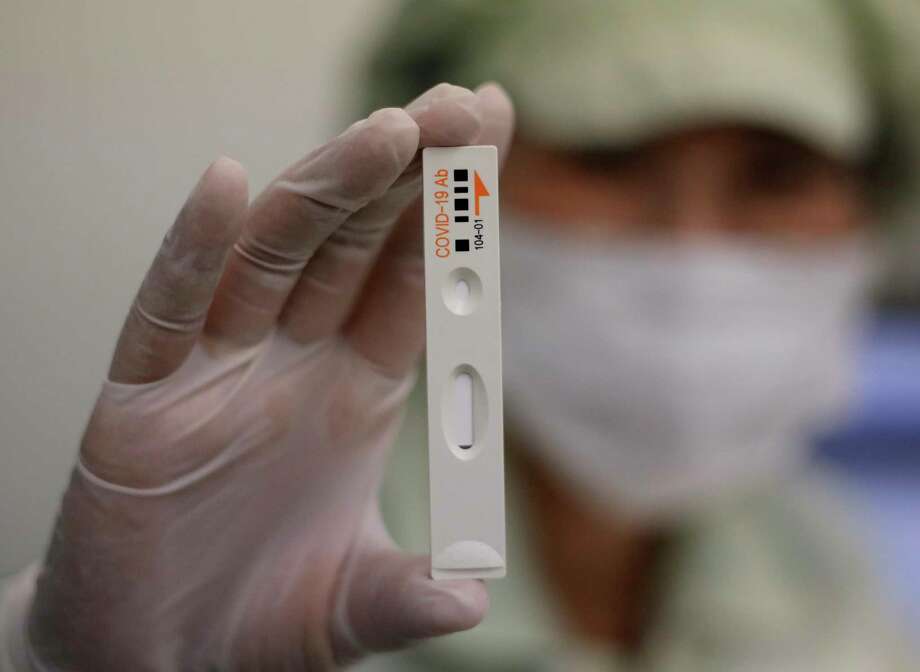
{"points": [[464, 365]]}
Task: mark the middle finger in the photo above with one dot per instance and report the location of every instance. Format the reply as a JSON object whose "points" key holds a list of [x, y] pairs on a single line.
{"points": [[328, 288], [299, 211], [296, 212]]}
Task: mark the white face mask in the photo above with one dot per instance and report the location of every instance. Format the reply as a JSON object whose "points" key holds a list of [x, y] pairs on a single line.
{"points": [[655, 378]]}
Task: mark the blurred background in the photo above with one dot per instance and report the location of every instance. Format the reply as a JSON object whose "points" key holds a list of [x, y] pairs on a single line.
{"points": [[108, 113]]}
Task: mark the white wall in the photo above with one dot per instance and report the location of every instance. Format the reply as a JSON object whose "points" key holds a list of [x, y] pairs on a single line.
{"points": [[109, 110]]}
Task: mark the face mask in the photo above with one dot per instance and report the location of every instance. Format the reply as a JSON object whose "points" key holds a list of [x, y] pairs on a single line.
{"points": [[657, 377]]}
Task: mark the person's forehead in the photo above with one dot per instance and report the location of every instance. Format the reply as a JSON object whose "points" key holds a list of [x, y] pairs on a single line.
{"points": [[726, 141]]}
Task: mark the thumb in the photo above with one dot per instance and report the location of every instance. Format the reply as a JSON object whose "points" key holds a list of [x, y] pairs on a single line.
{"points": [[388, 601]]}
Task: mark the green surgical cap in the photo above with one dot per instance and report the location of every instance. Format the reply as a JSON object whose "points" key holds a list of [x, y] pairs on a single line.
{"points": [[841, 75]]}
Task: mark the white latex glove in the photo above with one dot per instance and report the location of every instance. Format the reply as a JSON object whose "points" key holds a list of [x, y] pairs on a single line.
{"points": [[223, 514]]}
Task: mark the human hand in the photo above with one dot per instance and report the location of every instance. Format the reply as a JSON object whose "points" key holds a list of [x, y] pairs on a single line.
{"points": [[223, 514]]}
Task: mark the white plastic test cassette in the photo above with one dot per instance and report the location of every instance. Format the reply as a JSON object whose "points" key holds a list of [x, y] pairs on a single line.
{"points": [[463, 321]]}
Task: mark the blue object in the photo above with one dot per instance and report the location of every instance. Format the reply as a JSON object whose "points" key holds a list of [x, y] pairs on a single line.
{"points": [[883, 429], [877, 450]]}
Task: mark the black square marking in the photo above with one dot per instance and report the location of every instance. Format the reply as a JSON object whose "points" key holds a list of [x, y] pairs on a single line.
{"points": [[461, 175], [462, 245], [461, 204], [461, 190], [462, 218]]}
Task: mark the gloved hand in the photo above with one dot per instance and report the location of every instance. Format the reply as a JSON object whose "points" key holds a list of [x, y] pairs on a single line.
{"points": [[223, 513]]}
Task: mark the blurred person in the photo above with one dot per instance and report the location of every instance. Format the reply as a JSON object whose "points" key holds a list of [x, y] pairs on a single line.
{"points": [[696, 203], [693, 214]]}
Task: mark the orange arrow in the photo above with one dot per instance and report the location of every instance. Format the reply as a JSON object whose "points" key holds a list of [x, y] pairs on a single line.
{"points": [[479, 189]]}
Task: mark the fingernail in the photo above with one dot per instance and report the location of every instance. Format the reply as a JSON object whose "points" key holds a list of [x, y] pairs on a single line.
{"points": [[443, 91], [455, 611], [491, 84]]}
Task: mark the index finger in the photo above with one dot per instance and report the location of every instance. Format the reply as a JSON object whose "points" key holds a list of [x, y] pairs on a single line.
{"points": [[387, 326]]}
